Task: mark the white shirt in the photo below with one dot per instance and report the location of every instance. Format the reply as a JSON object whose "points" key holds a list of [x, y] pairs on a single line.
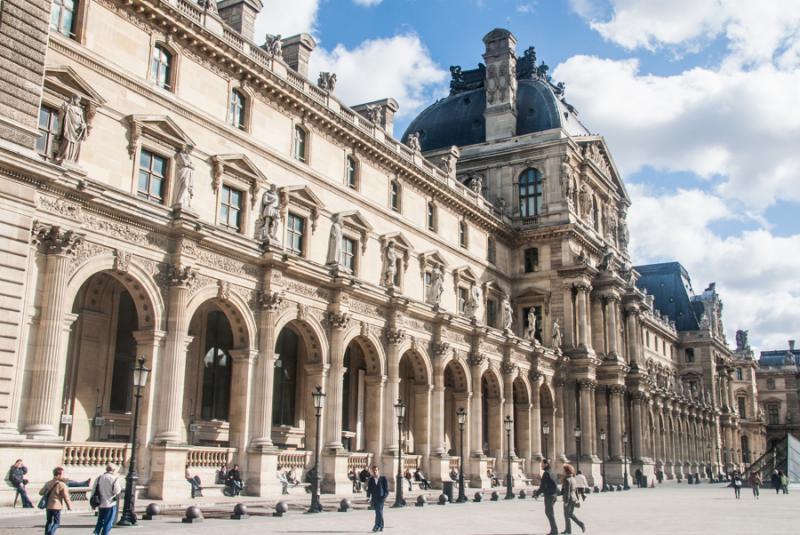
{"points": [[108, 487], [580, 481]]}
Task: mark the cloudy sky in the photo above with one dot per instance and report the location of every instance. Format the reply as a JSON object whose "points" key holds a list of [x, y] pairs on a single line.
{"points": [[699, 101]]}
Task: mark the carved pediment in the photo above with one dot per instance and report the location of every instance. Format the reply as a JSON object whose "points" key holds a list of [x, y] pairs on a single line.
{"points": [[595, 153], [432, 258], [160, 128], [237, 166], [354, 220], [65, 81], [464, 273], [400, 243], [303, 197]]}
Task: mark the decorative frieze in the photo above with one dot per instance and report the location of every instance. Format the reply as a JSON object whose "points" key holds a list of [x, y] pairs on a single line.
{"points": [[62, 207], [307, 290]]}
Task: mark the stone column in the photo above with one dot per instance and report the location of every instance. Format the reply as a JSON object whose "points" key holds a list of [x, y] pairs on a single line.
{"points": [[374, 388], [536, 420], [149, 344], [599, 334], [570, 329], [632, 329], [509, 371], [587, 387], [337, 323], [394, 337], [437, 411], [265, 372], [616, 395], [637, 398], [173, 365], [422, 422], [476, 408], [611, 324], [244, 361], [582, 304], [48, 365], [558, 451]]}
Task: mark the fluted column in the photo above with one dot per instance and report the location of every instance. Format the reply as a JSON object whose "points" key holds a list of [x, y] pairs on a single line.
{"points": [[509, 371], [337, 323], [536, 418], [394, 337], [586, 393], [173, 365], [616, 399], [612, 329], [582, 305], [632, 328], [265, 371], [437, 410], [476, 406], [637, 398], [48, 365]]}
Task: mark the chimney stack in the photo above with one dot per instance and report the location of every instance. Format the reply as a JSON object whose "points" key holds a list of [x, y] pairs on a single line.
{"points": [[240, 15], [501, 84], [791, 345], [381, 112], [296, 52]]}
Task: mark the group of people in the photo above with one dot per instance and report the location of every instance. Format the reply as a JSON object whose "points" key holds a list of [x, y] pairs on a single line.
{"points": [[287, 477], [361, 479], [232, 479], [569, 492], [779, 481]]}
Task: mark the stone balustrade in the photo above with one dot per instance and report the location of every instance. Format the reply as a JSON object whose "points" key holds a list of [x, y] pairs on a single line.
{"points": [[297, 459], [95, 454], [198, 457], [357, 461]]}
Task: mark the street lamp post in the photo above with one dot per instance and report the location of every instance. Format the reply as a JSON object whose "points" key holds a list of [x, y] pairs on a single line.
{"points": [[128, 518], [400, 410], [578, 443], [546, 433], [462, 420], [625, 461], [319, 402], [509, 423], [603, 460]]}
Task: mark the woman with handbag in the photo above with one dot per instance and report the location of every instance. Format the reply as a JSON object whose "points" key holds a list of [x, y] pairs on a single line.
{"points": [[54, 497], [569, 493]]}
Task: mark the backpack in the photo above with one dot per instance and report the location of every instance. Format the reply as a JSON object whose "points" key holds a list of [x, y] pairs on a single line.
{"points": [[94, 500]]}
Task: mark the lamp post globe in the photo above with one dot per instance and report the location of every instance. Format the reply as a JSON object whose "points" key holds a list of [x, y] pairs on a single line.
{"points": [[319, 403], [462, 420], [400, 412], [578, 443], [509, 425], [546, 433], [128, 517], [603, 460]]}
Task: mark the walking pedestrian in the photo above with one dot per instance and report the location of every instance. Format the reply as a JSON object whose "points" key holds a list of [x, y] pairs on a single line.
{"points": [[582, 485], [736, 483], [16, 476], [108, 488], [755, 482], [784, 482], [377, 491], [570, 496], [549, 489], [775, 480], [56, 497]]}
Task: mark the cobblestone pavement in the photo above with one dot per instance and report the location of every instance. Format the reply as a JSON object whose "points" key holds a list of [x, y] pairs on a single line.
{"points": [[669, 509]]}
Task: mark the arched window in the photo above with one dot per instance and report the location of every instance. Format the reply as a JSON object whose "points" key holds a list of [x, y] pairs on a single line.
{"points": [[161, 67], [351, 173], [124, 354], [217, 367], [530, 193], [285, 379], [62, 17], [237, 110], [300, 144]]}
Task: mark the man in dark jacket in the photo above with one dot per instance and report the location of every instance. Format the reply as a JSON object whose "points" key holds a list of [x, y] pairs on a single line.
{"points": [[16, 476], [377, 491], [549, 489]]}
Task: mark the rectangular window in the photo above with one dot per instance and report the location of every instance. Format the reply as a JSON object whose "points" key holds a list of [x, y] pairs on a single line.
{"points": [[152, 176], [426, 283], [431, 216], [462, 234], [690, 355], [491, 313], [352, 178], [348, 259], [395, 195], [531, 260], [491, 251], [230, 208], [770, 384], [739, 374], [295, 225], [299, 144], [742, 405], [773, 414], [62, 17], [49, 129], [462, 299]]}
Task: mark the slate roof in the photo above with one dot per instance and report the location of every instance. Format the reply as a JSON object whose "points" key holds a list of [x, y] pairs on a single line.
{"points": [[777, 357], [671, 287]]}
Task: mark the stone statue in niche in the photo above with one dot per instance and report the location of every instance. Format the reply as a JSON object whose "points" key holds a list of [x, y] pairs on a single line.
{"points": [[389, 265], [530, 330], [327, 81], [335, 241], [623, 237], [567, 179], [413, 142], [184, 183], [557, 341], [473, 302], [476, 184], [73, 130], [585, 200], [269, 216], [273, 45], [741, 340], [437, 286], [508, 313]]}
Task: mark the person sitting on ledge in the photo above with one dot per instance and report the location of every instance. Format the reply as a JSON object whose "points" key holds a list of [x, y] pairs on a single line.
{"points": [[194, 481], [420, 478], [234, 481], [454, 474]]}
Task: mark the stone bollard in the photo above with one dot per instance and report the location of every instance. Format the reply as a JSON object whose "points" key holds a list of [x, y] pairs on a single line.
{"points": [[152, 511], [478, 497], [422, 501], [239, 512], [442, 499], [193, 515], [596, 489], [522, 494], [495, 495], [280, 509], [345, 505]]}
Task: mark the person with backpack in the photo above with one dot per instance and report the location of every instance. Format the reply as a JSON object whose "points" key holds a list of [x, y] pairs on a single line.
{"points": [[107, 489], [54, 497], [549, 489]]}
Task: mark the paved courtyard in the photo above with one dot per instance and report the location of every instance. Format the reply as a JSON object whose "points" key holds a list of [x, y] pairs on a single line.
{"points": [[669, 509]]}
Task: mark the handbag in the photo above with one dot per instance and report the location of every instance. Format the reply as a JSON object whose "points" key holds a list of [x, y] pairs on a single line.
{"points": [[94, 500], [43, 501]]}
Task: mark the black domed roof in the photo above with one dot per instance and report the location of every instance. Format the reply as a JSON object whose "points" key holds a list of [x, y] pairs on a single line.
{"points": [[458, 118]]}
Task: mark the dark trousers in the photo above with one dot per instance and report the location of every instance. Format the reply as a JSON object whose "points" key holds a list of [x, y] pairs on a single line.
{"points": [[377, 504], [53, 521], [23, 495], [106, 516], [737, 491], [196, 484], [549, 505], [569, 517]]}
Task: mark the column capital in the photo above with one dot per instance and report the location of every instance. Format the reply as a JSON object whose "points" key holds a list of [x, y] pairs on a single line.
{"points": [[53, 239], [394, 335], [616, 390], [270, 301], [439, 349], [337, 320], [587, 384], [475, 359], [181, 276], [508, 368]]}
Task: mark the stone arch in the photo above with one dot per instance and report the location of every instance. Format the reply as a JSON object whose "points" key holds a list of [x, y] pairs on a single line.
{"points": [[139, 283], [310, 330], [521, 389], [420, 363], [456, 396], [457, 374], [372, 348], [494, 382], [492, 430], [236, 309]]}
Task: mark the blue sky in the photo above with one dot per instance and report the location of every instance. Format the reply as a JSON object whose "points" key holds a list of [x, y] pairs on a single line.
{"points": [[696, 99]]}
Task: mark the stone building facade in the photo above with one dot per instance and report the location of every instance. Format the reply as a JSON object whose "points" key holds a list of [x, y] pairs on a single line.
{"points": [[778, 380], [173, 190]]}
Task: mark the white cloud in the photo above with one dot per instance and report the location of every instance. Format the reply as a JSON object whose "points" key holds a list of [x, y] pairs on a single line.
{"points": [[367, 3], [398, 67], [286, 18], [755, 271]]}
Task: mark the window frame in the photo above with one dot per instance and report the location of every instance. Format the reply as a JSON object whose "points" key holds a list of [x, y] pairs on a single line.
{"points": [[396, 196], [491, 250], [290, 231], [463, 234], [166, 178], [241, 209], [300, 143], [52, 137], [74, 22], [243, 111], [170, 83], [535, 266], [431, 216], [352, 174], [534, 189], [352, 255]]}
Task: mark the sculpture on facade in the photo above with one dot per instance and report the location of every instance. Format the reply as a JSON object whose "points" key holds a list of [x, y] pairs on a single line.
{"points": [[269, 216], [476, 184], [184, 183], [413, 142], [273, 45], [374, 113], [437, 286], [389, 265], [623, 237], [530, 331], [327, 81], [741, 340], [473, 302], [73, 130], [508, 313], [556, 335], [585, 201], [335, 241], [567, 179]]}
